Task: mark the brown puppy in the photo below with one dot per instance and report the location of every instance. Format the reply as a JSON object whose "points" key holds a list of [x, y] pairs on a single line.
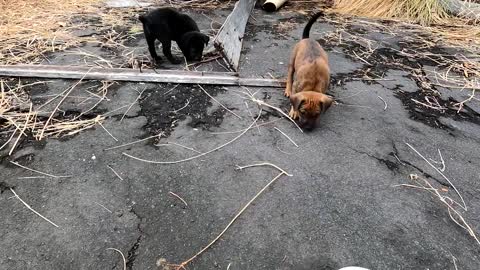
{"points": [[309, 65]]}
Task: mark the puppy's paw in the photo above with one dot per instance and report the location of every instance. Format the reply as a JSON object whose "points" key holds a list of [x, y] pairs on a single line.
{"points": [[175, 60], [157, 60], [293, 114], [287, 92]]}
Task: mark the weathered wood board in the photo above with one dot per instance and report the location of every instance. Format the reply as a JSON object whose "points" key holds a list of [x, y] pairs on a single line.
{"points": [[230, 37], [123, 74]]}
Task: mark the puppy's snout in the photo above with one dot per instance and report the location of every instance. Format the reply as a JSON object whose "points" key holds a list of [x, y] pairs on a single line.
{"points": [[307, 124], [308, 127]]}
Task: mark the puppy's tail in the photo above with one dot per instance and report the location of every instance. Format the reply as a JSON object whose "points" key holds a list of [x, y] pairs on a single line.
{"points": [[306, 30]]}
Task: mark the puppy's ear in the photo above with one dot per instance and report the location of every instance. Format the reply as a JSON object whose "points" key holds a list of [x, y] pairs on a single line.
{"points": [[296, 101], [326, 103], [206, 39]]}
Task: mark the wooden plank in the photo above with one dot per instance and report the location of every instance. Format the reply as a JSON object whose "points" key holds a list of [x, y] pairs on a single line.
{"points": [[131, 75], [230, 37]]}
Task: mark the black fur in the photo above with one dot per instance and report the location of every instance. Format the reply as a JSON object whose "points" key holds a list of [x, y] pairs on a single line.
{"points": [[167, 24], [306, 30]]}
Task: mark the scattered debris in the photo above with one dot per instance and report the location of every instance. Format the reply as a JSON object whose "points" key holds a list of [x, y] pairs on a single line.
{"points": [[199, 155], [282, 172], [455, 215]]}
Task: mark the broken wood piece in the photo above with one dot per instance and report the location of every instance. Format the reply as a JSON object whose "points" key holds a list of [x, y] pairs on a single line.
{"points": [[125, 74], [229, 39]]}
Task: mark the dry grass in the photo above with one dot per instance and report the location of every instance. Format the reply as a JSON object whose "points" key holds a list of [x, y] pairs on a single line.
{"points": [[421, 11], [20, 118], [31, 28], [459, 70], [429, 14]]}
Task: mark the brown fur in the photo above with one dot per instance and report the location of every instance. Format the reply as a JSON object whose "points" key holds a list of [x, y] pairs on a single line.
{"points": [[308, 79]]}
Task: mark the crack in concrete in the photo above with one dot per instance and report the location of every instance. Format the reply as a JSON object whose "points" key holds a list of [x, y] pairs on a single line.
{"points": [[392, 166], [132, 252], [405, 162]]}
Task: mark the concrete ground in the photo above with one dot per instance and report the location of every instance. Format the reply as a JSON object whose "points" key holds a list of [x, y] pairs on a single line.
{"points": [[341, 207]]}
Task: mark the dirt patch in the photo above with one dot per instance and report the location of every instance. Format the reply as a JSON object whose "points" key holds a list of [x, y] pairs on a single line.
{"points": [[163, 112]]}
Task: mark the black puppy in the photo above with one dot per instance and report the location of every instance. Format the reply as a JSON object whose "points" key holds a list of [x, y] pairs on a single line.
{"points": [[167, 24]]}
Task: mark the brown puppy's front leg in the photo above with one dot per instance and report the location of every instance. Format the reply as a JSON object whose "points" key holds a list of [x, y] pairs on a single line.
{"points": [[293, 113]]}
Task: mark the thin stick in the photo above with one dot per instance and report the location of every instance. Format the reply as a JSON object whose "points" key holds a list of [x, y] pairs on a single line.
{"points": [[286, 136], [455, 262], [106, 130], [444, 177], [101, 205], [223, 106], [386, 105], [22, 132], [33, 210], [32, 170], [199, 155], [448, 202], [183, 264], [173, 88], [123, 257], [134, 142], [263, 164], [178, 197], [119, 177], [238, 131], [183, 107], [9, 139], [251, 115], [263, 103], [179, 145], [133, 103], [443, 161], [60, 103]]}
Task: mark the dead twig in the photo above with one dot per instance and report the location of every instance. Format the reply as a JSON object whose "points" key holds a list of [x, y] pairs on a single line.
{"points": [[214, 99], [133, 103], [101, 205], [60, 103], [119, 177], [179, 145], [106, 130], [123, 257], [286, 136], [199, 155], [464, 206], [178, 197], [386, 105], [453, 213], [30, 208], [39, 172], [263, 103], [282, 172]]}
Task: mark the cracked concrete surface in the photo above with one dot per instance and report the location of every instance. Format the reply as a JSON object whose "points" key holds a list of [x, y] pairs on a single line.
{"points": [[340, 207]]}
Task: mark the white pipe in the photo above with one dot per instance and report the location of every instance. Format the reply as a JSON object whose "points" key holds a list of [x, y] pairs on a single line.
{"points": [[272, 5]]}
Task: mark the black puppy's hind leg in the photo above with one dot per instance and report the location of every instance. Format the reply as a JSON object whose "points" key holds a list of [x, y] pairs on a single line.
{"points": [[167, 51]]}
